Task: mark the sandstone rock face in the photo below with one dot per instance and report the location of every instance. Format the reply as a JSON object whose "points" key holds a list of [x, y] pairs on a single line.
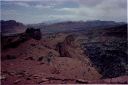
{"points": [[63, 47], [69, 40]]}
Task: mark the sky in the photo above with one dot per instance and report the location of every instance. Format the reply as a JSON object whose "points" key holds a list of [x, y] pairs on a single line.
{"points": [[37, 11]]}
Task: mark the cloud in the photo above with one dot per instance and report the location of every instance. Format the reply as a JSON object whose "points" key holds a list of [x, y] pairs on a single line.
{"points": [[17, 3], [89, 3], [33, 4], [8, 12], [40, 6], [22, 4], [46, 10], [103, 9], [20, 0]]}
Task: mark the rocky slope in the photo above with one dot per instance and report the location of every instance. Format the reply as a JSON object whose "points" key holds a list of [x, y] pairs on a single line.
{"points": [[66, 58], [108, 51]]}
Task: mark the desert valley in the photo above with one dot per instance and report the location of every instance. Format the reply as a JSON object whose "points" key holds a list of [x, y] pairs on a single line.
{"points": [[64, 53], [63, 42]]}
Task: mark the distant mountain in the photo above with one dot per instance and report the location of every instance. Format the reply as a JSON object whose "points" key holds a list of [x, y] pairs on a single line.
{"points": [[75, 25], [12, 27], [87, 24], [44, 24], [39, 25], [53, 21]]}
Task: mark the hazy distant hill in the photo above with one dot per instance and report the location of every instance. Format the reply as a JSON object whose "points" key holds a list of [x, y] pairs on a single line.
{"points": [[75, 25], [12, 27]]}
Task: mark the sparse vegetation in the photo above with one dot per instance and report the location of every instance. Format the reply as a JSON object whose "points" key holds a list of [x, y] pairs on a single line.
{"points": [[46, 59]]}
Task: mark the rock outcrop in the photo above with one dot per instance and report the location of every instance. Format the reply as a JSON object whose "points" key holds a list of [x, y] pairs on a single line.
{"points": [[14, 40], [33, 33], [12, 27], [63, 47], [69, 40]]}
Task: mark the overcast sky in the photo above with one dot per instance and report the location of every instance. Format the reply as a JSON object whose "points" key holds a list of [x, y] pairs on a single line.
{"points": [[36, 11]]}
